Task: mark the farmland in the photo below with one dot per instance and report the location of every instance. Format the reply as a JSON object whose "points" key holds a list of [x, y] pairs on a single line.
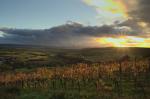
{"points": [[52, 73]]}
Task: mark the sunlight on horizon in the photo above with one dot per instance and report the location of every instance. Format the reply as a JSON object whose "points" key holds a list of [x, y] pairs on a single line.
{"points": [[124, 41]]}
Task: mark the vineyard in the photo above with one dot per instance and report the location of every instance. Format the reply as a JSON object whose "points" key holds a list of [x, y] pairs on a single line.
{"points": [[128, 79]]}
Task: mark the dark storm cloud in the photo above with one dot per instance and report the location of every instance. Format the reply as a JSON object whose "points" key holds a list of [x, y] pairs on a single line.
{"points": [[73, 34], [138, 11], [136, 30], [141, 13]]}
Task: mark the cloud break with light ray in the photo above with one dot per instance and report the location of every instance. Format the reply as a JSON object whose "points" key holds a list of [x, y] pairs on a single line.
{"points": [[116, 23]]}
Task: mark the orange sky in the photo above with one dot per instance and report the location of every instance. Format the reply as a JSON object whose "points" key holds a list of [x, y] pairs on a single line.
{"points": [[124, 41], [114, 10]]}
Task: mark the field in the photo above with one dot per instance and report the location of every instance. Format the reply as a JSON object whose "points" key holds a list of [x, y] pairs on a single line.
{"points": [[52, 73]]}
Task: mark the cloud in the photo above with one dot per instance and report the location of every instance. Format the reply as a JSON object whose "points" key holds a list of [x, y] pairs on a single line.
{"points": [[109, 11], [141, 13], [128, 18], [2, 34], [133, 12], [121, 21], [77, 35], [117, 10], [67, 35]]}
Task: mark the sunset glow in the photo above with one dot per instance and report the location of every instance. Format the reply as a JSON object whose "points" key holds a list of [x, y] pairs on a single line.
{"points": [[142, 24], [124, 41], [109, 9], [114, 23]]}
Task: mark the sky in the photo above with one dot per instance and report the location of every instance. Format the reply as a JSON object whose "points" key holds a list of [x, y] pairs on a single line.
{"points": [[75, 23], [42, 14]]}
